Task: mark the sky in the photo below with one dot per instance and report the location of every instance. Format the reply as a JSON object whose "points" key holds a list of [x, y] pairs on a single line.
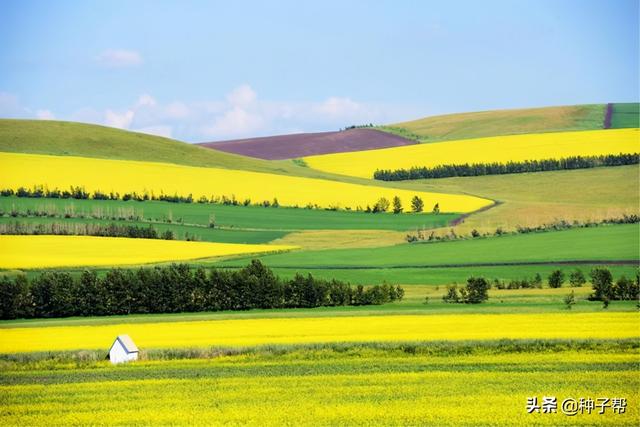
{"points": [[214, 70]]}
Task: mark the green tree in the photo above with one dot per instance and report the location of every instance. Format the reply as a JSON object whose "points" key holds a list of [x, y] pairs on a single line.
{"points": [[417, 205], [382, 205], [556, 279], [602, 282], [625, 289], [577, 279], [397, 205], [537, 281], [436, 208], [477, 290], [452, 294], [15, 299]]}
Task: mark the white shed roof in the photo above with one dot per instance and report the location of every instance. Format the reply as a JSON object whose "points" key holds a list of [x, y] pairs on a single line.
{"points": [[127, 343]]}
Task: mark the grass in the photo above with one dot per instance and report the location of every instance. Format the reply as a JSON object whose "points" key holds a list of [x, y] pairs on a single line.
{"points": [[233, 217], [87, 140], [501, 122], [549, 196], [616, 242], [469, 384], [500, 149], [626, 115]]}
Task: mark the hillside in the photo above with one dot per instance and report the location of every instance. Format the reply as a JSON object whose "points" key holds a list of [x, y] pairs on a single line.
{"points": [[87, 140], [501, 122], [624, 115], [282, 147]]}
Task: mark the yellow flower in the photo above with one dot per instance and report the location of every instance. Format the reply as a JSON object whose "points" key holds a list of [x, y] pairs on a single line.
{"points": [[499, 149]]}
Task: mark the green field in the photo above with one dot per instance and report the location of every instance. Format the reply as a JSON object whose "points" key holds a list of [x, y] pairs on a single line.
{"points": [[501, 122], [227, 216], [447, 384], [604, 243], [626, 115]]}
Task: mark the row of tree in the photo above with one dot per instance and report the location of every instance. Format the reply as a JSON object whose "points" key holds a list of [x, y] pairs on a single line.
{"points": [[478, 169], [421, 235], [604, 288], [177, 288], [381, 205], [88, 229]]}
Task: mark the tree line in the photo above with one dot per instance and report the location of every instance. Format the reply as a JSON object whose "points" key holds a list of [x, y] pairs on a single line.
{"points": [[177, 288], [379, 206], [605, 289], [87, 229], [422, 236], [479, 169]]}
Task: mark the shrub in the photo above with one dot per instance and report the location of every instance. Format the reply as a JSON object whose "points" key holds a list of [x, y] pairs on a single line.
{"points": [[397, 205], [577, 279], [569, 300], [452, 295], [556, 279], [602, 282], [475, 292], [417, 205]]}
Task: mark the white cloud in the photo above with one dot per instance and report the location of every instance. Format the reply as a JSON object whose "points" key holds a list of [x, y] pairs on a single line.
{"points": [[239, 114], [45, 115], [118, 120], [242, 96], [119, 58], [235, 122]]}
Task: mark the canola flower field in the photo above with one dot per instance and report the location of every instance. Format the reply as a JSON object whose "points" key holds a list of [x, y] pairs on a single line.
{"points": [[501, 149], [393, 328], [122, 176], [355, 386], [43, 251]]}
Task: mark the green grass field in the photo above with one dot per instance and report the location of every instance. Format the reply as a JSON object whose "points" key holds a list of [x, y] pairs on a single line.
{"points": [[241, 217], [604, 243], [626, 115], [468, 384], [501, 122]]}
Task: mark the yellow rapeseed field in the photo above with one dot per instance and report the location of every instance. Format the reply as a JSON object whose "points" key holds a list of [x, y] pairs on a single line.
{"points": [[66, 251], [501, 149], [124, 176], [251, 332], [280, 393]]}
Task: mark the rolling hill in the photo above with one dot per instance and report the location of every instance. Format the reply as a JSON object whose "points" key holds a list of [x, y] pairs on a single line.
{"points": [[501, 122], [87, 140], [282, 147]]}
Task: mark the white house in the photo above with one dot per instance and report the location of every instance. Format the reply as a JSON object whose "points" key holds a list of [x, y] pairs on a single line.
{"points": [[123, 350]]}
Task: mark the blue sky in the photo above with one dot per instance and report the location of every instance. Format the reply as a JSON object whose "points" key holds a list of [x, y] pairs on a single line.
{"points": [[210, 70]]}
